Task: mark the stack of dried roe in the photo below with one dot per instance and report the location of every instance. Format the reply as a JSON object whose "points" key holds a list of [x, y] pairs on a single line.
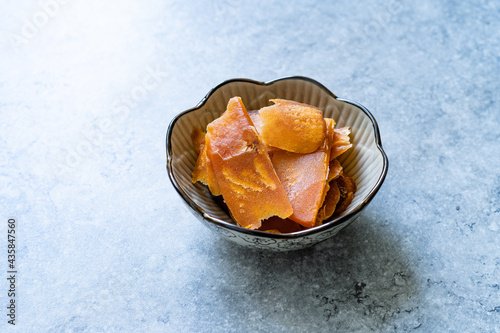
{"points": [[276, 167]]}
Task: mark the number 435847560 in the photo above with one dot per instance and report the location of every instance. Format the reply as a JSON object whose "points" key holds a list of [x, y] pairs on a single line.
{"points": [[11, 239]]}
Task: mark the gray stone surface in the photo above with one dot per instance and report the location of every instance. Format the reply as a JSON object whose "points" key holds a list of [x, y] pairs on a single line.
{"points": [[88, 88]]}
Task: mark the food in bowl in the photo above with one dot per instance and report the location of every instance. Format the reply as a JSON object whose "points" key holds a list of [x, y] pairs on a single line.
{"points": [[276, 168]]}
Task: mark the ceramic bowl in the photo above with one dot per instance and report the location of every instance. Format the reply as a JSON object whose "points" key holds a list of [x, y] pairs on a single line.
{"points": [[366, 162]]}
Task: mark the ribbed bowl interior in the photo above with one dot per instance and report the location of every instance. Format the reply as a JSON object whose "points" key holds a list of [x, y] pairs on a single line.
{"points": [[364, 162]]}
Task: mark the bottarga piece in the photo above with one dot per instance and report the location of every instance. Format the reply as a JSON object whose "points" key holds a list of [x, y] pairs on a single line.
{"points": [[246, 177]]}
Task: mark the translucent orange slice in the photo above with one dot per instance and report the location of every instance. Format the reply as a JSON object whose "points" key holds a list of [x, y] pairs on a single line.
{"points": [[244, 172], [347, 187], [292, 126], [198, 137], [203, 170], [304, 178], [340, 142], [331, 199], [334, 170]]}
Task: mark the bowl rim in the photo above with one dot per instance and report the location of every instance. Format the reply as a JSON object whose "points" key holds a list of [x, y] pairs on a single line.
{"points": [[329, 223]]}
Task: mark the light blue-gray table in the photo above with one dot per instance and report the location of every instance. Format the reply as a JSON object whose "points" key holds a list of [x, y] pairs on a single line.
{"points": [[104, 243]]}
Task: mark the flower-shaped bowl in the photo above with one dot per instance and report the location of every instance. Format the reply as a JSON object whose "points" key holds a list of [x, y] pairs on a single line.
{"points": [[366, 161]]}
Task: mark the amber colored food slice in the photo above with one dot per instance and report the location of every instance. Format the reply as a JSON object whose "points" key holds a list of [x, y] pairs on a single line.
{"points": [[247, 180], [318, 216], [198, 137], [347, 187], [341, 142], [203, 170], [257, 122], [304, 178], [200, 168], [331, 199], [292, 126], [278, 225], [330, 128], [334, 170]]}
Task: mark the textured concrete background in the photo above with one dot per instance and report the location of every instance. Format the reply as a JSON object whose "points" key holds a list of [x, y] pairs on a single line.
{"points": [[88, 88]]}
